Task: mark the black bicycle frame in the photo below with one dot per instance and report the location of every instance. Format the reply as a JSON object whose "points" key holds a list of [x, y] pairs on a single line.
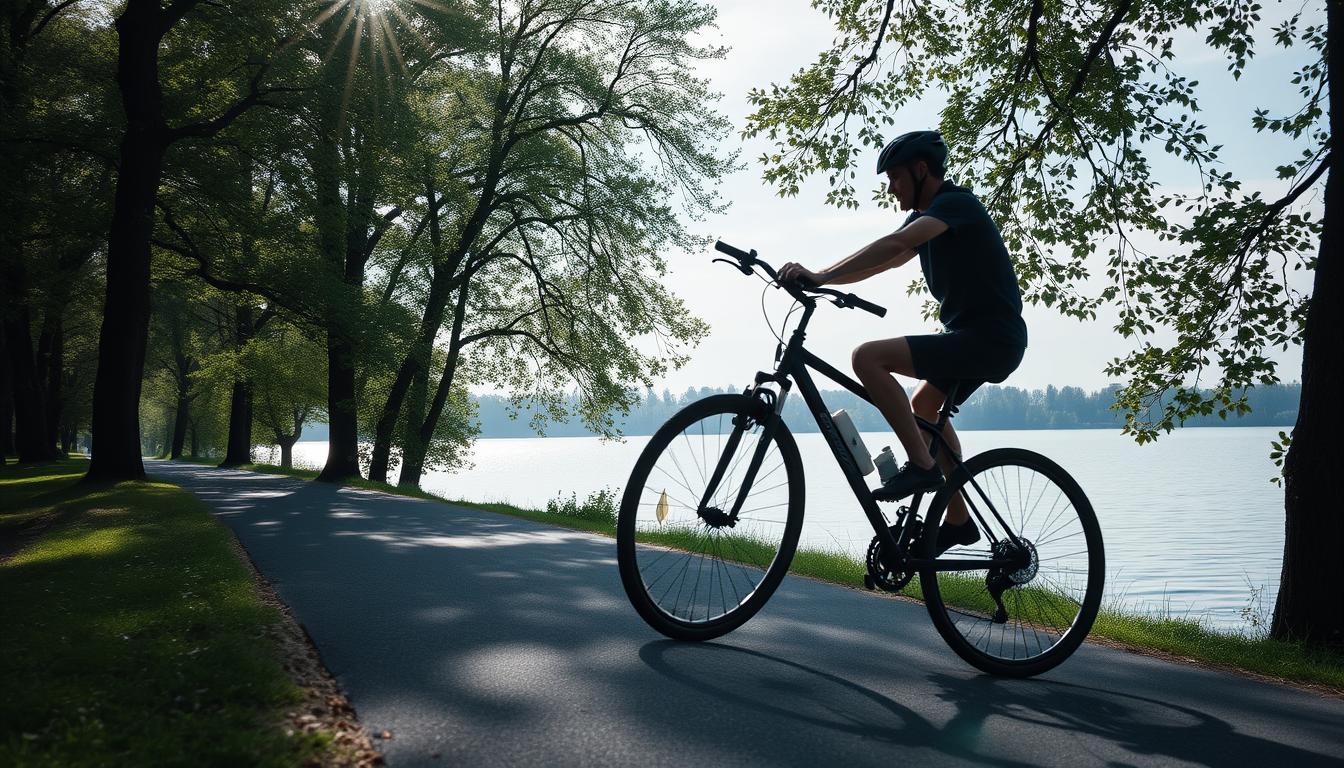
{"points": [[792, 364]]}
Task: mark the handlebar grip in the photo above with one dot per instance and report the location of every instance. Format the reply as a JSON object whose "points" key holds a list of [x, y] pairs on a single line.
{"points": [[867, 306], [736, 253]]}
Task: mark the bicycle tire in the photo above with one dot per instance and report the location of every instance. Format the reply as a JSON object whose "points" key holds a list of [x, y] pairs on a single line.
{"points": [[742, 571], [1049, 603]]}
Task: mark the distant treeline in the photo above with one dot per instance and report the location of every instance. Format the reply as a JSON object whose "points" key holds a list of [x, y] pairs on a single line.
{"points": [[991, 407]]}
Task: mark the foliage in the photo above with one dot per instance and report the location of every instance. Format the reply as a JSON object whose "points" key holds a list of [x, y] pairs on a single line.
{"points": [[598, 507], [286, 370], [1059, 115], [601, 142]]}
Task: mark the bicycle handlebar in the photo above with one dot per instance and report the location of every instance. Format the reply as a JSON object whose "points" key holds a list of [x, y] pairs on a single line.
{"points": [[748, 261]]}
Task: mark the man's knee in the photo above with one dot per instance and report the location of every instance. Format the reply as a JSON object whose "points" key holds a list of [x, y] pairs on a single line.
{"points": [[883, 357], [926, 402], [861, 359]]}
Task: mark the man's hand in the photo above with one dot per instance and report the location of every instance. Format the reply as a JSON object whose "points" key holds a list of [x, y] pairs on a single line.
{"points": [[795, 271]]}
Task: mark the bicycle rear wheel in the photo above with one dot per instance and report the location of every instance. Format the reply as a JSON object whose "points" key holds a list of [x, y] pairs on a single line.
{"points": [[693, 571], [1025, 618]]}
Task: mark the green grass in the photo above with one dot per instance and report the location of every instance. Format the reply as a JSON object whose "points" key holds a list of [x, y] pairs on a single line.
{"points": [[132, 633], [1181, 637]]}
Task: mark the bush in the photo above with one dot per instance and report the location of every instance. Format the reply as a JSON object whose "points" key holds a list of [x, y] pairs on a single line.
{"points": [[599, 507]]}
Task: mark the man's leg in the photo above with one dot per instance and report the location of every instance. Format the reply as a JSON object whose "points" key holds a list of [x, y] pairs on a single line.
{"points": [[874, 363], [925, 403]]}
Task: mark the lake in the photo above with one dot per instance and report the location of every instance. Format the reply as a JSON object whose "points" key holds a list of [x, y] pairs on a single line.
{"points": [[1193, 526]]}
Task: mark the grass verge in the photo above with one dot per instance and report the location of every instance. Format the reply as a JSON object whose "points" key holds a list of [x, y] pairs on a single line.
{"points": [[132, 633], [1179, 638]]}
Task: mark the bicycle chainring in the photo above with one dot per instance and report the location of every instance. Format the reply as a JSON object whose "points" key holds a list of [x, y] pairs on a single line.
{"points": [[882, 577]]}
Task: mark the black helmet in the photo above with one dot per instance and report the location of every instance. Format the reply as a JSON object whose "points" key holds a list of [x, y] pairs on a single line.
{"points": [[909, 147]]}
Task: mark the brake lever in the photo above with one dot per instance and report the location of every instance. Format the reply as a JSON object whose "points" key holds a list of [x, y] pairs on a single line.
{"points": [[739, 266]]}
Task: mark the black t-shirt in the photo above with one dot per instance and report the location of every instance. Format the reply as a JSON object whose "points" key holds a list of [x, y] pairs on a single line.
{"points": [[968, 269]]}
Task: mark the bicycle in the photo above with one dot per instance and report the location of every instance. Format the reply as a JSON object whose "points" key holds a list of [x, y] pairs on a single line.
{"points": [[700, 561]]}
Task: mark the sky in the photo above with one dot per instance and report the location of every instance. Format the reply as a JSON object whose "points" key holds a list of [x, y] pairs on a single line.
{"points": [[769, 40]]}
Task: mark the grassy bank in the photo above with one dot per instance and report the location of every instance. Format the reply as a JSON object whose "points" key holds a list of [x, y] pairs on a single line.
{"points": [[1183, 638], [133, 635]]}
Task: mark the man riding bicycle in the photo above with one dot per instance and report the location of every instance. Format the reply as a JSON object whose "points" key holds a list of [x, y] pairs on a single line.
{"points": [[969, 272]]}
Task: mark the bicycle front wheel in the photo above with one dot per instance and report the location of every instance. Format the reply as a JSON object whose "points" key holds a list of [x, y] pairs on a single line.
{"points": [[694, 570], [1026, 617]]}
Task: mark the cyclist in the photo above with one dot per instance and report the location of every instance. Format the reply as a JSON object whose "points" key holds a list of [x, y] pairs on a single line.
{"points": [[968, 271]]}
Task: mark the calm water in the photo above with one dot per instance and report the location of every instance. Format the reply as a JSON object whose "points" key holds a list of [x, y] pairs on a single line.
{"points": [[1191, 523]]}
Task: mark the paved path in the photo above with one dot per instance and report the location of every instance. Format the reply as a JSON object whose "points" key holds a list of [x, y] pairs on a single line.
{"points": [[479, 639]]}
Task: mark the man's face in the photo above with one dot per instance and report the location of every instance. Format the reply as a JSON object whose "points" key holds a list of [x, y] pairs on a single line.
{"points": [[901, 185]]}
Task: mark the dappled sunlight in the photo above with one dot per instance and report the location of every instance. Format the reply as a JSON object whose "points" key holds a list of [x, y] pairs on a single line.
{"points": [[513, 671], [78, 542], [443, 614], [472, 540]]}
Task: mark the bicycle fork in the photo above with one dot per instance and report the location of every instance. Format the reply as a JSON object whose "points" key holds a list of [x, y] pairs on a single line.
{"points": [[713, 515]]}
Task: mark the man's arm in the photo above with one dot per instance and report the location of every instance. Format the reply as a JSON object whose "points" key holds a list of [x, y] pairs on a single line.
{"points": [[878, 256], [854, 277]]}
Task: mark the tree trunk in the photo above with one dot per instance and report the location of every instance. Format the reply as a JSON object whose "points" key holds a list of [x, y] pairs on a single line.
{"points": [[239, 449], [121, 342], [1310, 605], [180, 421], [240, 405], [6, 400], [55, 363], [29, 410], [413, 449], [332, 227], [416, 363], [413, 368], [343, 415], [413, 454], [195, 437], [286, 443]]}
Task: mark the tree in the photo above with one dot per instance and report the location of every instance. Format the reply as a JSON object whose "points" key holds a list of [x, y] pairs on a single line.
{"points": [[355, 120], [175, 345], [546, 223], [1059, 112], [288, 393], [53, 201], [241, 40]]}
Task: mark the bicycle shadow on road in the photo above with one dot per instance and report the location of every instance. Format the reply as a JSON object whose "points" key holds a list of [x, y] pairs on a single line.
{"points": [[1106, 726], [751, 685], [1140, 725]]}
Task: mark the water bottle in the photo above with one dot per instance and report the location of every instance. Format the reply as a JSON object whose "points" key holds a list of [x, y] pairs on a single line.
{"points": [[886, 464], [845, 426]]}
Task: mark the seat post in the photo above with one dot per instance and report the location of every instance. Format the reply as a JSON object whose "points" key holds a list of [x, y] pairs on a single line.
{"points": [[949, 407]]}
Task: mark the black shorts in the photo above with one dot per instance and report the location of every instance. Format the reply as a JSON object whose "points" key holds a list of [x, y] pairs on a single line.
{"points": [[965, 358]]}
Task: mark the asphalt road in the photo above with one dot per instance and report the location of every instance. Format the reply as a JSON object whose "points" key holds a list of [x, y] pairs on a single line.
{"points": [[479, 639]]}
